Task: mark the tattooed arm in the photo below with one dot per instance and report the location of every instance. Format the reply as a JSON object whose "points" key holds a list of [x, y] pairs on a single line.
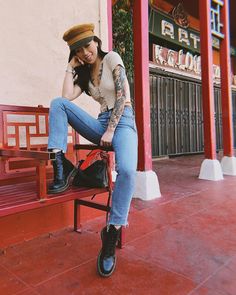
{"points": [[119, 78]]}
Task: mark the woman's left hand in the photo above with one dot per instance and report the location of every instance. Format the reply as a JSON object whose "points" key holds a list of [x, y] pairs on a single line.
{"points": [[107, 137]]}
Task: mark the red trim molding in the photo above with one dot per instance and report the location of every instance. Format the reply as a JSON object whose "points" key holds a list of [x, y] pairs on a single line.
{"points": [[141, 83], [109, 23]]}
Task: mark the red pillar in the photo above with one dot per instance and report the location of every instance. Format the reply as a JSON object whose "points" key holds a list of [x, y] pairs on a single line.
{"points": [[109, 24], [207, 79], [141, 83], [226, 95]]}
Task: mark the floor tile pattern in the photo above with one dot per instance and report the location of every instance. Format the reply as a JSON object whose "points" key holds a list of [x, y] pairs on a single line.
{"points": [[183, 243]]}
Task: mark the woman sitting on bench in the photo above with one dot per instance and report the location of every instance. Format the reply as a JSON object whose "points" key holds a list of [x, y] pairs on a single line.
{"points": [[102, 76]]}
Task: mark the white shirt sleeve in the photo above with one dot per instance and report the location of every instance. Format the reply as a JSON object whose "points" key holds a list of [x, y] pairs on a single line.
{"points": [[114, 59]]}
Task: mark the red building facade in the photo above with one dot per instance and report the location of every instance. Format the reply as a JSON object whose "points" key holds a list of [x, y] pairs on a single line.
{"points": [[192, 53]]}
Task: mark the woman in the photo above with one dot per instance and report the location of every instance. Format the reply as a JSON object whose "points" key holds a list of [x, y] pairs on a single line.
{"points": [[102, 76]]}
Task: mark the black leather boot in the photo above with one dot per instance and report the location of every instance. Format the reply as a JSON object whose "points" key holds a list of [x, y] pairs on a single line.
{"points": [[63, 171], [106, 261]]}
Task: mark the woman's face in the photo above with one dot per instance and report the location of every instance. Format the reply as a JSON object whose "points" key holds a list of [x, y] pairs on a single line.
{"points": [[88, 53]]}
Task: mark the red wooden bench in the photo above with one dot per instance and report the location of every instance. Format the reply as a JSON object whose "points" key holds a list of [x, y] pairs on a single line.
{"points": [[25, 168]]}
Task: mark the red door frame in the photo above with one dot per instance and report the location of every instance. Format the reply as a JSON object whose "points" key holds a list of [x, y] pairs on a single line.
{"points": [[226, 95], [141, 83]]}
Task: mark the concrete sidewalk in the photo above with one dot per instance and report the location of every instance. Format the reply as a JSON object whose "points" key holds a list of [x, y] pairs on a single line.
{"points": [[182, 243]]}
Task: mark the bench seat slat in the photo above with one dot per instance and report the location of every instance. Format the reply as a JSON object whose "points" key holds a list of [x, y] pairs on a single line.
{"points": [[24, 197]]}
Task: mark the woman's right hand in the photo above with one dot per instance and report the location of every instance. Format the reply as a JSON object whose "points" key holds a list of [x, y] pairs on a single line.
{"points": [[75, 62]]}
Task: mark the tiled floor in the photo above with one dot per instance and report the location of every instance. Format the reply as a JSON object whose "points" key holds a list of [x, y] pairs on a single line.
{"points": [[182, 243]]}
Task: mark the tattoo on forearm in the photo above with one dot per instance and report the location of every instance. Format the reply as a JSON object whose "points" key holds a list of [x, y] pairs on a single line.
{"points": [[119, 77]]}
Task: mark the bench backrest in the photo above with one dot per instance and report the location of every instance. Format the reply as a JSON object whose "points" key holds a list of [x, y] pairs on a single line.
{"points": [[26, 128]]}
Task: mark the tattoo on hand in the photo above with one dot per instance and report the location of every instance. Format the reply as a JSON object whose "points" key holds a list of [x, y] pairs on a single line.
{"points": [[119, 77]]}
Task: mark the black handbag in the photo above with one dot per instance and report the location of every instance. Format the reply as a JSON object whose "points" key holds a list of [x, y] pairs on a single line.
{"points": [[92, 172]]}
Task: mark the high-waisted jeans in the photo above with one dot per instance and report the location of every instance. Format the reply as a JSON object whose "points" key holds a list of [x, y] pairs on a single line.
{"points": [[124, 143]]}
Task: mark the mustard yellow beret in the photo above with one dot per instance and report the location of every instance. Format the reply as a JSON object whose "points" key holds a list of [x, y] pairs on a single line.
{"points": [[79, 35]]}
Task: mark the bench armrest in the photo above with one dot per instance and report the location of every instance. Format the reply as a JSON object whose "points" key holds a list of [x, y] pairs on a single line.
{"points": [[39, 155], [42, 157], [92, 147]]}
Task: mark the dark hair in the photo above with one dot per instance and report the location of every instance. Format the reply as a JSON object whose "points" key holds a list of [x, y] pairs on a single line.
{"points": [[82, 73]]}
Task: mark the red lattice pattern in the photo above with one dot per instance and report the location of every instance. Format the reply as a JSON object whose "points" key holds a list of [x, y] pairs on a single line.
{"points": [[26, 131], [25, 128]]}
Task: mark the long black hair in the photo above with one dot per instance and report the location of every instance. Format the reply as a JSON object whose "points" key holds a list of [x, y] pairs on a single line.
{"points": [[82, 73]]}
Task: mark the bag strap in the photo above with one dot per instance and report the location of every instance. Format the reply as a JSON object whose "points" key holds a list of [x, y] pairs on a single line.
{"points": [[90, 158]]}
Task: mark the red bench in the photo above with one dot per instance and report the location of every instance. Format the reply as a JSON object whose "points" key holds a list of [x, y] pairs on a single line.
{"points": [[25, 168]]}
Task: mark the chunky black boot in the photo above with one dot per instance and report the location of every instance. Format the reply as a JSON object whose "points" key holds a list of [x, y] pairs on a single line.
{"points": [[63, 171], [106, 261]]}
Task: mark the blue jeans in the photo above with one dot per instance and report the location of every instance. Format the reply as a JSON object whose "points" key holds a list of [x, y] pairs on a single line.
{"points": [[124, 143]]}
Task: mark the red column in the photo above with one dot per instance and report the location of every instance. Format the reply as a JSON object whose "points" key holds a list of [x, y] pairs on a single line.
{"points": [[207, 80], [109, 23], [226, 97], [141, 83]]}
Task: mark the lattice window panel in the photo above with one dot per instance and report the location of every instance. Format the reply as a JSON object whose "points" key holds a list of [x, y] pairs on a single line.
{"points": [[27, 131]]}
